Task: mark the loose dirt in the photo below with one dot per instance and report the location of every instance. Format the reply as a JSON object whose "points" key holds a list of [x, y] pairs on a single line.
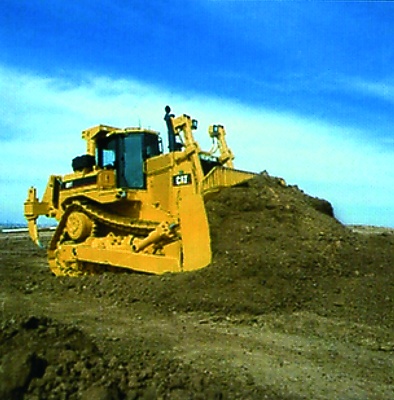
{"points": [[294, 306]]}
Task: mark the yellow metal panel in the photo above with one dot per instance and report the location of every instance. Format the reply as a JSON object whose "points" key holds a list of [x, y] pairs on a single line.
{"points": [[127, 259], [106, 179], [196, 242]]}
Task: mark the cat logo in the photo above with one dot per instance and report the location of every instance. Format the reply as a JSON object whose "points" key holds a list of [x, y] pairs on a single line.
{"points": [[182, 179]]}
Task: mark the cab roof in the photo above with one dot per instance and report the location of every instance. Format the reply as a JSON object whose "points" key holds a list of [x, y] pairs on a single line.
{"points": [[102, 131]]}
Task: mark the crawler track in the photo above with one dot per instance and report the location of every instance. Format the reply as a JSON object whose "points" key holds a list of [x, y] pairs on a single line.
{"points": [[102, 220]]}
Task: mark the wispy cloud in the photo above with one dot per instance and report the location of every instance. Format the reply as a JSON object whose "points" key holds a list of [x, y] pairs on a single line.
{"points": [[41, 119], [379, 89]]}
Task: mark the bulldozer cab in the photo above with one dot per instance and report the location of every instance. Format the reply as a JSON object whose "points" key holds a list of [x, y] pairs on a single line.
{"points": [[126, 154], [123, 151]]}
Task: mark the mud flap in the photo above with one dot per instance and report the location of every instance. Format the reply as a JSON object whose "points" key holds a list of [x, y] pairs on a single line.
{"points": [[196, 240]]}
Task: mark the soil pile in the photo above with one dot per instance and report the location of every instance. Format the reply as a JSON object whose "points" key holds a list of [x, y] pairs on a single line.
{"points": [[275, 248]]}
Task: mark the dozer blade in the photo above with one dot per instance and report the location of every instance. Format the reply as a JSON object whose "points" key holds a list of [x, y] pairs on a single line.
{"points": [[196, 240], [222, 177]]}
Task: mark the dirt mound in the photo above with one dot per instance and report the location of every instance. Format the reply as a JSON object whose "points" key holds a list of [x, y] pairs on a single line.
{"points": [[274, 249]]}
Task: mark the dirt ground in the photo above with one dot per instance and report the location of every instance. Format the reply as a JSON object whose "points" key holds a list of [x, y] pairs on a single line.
{"points": [[294, 306]]}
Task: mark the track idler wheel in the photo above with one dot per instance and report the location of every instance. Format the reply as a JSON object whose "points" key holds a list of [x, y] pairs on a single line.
{"points": [[78, 226]]}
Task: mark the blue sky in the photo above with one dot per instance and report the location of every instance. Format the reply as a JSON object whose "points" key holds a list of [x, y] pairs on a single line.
{"points": [[304, 88]]}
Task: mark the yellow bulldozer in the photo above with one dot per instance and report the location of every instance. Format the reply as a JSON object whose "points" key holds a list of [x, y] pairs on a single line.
{"points": [[128, 205]]}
